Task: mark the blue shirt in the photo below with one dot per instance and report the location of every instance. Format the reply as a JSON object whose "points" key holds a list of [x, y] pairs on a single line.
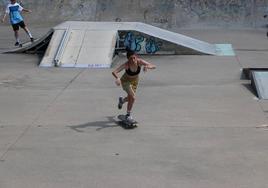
{"points": [[14, 12]]}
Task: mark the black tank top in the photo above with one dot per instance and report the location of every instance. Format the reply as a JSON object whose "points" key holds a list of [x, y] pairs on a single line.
{"points": [[130, 73]]}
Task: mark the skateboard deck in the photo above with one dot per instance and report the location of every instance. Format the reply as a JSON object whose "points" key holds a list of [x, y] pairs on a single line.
{"points": [[127, 124], [26, 43]]}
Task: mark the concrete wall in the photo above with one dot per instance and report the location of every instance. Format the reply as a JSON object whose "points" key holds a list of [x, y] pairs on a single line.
{"points": [[163, 13]]}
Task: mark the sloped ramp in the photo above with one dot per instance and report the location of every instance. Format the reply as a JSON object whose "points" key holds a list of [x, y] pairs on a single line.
{"points": [[33, 47], [184, 43], [259, 82], [144, 37], [80, 48]]}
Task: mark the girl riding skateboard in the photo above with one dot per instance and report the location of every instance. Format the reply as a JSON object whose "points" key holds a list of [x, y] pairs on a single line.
{"points": [[130, 79]]}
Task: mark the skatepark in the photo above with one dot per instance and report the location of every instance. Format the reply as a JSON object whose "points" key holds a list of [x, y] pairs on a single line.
{"points": [[202, 122]]}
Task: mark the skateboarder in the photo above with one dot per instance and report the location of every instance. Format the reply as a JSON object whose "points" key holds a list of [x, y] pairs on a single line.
{"points": [[16, 20], [130, 79]]}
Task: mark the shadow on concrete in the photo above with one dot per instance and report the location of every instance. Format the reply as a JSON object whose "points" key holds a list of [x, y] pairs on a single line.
{"points": [[99, 125], [250, 88]]}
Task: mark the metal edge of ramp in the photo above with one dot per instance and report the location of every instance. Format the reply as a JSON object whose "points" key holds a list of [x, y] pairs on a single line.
{"points": [[260, 83], [48, 59]]}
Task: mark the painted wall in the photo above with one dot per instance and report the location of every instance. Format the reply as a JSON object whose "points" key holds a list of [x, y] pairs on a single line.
{"points": [[163, 13]]}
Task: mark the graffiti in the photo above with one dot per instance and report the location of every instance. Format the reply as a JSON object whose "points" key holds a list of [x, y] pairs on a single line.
{"points": [[152, 46], [133, 42], [141, 44]]}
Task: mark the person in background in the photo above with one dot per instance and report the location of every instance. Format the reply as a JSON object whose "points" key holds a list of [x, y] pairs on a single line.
{"points": [[14, 10]]}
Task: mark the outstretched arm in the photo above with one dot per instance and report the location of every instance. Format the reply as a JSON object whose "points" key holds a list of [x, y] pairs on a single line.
{"points": [[26, 10], [115, 74], [146, 65], [4, 17], [7, 11]]}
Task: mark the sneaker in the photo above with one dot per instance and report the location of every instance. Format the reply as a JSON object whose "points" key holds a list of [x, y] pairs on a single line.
{"points": [[120, 102], [32, 39], [17, 44], [129, 118]]}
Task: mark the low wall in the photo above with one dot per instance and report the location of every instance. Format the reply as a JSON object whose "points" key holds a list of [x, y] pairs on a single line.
{"points": [[162, 13]]}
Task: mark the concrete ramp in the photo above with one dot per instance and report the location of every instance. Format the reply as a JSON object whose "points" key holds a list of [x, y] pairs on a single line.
{"points": [[93, 49], [259, 81], [184, 44], [93, 44], [80, 48], [147, 39]]}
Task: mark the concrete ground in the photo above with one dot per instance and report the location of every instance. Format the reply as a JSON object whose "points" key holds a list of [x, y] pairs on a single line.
{"points": [[201, 125]]}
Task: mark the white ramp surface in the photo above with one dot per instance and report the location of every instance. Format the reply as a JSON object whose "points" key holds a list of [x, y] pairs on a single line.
{"points": [[97, 49], [177, 38], [72, 48], [80, 48]]}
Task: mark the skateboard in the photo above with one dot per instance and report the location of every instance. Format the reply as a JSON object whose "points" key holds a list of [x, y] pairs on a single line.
{"points": [[26, 43], [126, 124]]}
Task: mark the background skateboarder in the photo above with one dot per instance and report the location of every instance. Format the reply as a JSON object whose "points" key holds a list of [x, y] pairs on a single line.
{"points": [[14, 10]]}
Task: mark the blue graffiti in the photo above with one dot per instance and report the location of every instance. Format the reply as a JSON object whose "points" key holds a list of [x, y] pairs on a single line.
{"points": [[152, 46], [133, 42]]}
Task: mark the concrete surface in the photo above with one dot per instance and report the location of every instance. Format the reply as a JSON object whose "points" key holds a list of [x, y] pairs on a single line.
{"points": [[198, 122]]}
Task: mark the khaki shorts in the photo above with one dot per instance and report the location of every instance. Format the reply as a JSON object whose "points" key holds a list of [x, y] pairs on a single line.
{"points": [[128, 83]]}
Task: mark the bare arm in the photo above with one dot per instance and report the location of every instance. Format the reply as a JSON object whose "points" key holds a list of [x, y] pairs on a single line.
{"points": [[146, 65], [115, 74], [4, 17], [26, 10]]}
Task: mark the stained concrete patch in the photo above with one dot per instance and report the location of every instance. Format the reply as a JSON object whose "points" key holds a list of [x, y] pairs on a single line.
{"points": [[225, 50]]}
